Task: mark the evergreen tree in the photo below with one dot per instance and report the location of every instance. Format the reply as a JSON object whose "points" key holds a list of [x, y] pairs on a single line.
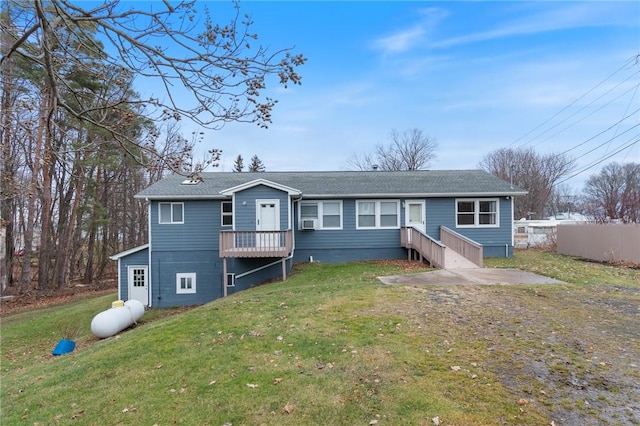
{"points": [[238, 165], [256, 165]]}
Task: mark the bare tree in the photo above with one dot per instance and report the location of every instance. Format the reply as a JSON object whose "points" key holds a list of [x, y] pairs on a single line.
{"points": [[614, 193], [563, 199], [408, 150], [528, 170], [217, 67], [362, 162]]}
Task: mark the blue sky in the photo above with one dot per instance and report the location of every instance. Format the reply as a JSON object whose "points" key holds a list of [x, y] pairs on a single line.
{"points": [[476, 76]]}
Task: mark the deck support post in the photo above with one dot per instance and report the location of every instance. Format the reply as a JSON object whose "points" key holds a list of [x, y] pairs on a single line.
{"points": [[224, 277], [284, 269]]}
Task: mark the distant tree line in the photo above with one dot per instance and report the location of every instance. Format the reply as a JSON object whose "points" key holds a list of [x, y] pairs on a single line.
{"points": [[611, 195]]}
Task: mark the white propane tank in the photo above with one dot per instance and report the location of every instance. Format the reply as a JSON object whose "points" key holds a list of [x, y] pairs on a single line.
{"points": [[120, 316]]}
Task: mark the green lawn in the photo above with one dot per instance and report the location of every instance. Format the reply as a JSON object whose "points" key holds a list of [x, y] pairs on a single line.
{"points": [[331, 345]]}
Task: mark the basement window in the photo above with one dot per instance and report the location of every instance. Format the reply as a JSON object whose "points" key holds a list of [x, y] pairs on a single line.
{"points": [[186, 283]]}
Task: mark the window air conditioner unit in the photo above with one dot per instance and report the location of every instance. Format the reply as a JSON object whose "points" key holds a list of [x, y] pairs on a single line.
{"points": [[308, 224]]}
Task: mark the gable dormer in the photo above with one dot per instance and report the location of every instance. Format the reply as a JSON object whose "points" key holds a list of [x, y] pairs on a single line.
{"points": [[261, 205]]}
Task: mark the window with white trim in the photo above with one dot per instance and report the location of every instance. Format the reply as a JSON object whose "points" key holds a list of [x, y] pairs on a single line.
{"points": [[378, 214], [171, 213], [227, 213], [186, 283], [477, 213], [327, 214]]}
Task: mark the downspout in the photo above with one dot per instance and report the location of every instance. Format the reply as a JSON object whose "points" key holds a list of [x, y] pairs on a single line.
{"points": [[149, 269], [513, 242], [120, 280], [293, 231]]}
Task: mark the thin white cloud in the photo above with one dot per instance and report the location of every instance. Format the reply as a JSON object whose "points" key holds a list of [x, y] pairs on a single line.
{"points": [[407, 38], [570, 16], [401, 41]]}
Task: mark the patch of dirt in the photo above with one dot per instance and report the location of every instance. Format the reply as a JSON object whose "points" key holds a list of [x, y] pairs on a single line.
{"points": [[403, 264], [572, 351], [18, 302]]}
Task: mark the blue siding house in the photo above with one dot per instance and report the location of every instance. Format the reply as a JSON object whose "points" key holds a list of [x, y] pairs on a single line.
{"points": [[227, 232]]}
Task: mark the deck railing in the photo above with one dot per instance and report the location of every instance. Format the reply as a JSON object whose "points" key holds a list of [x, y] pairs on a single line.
{"points": [[256, 243], [462, 245], [426, 246]]}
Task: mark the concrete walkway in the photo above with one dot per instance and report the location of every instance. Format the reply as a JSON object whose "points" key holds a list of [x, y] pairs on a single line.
{"points": [[469, 276], [460, 271]]}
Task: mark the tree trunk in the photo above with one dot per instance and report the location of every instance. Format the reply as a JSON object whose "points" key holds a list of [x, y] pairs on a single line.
{"points": [[68, 210], [92, 221], [7, 182], [32, 192], [47, 243]]}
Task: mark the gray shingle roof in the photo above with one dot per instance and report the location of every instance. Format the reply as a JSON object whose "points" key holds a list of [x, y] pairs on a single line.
{"points": [[433, 183]]}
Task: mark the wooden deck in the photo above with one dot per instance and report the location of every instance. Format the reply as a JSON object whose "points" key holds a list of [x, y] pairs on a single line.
{"points": [[256, 243]]}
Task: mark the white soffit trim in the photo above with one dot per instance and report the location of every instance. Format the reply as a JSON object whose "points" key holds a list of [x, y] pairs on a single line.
{"points": [[128, 252], [257, 182]]}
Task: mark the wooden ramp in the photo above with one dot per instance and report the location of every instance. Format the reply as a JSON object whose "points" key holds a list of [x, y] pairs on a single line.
{"points": [[442, 254], [453, 260]]}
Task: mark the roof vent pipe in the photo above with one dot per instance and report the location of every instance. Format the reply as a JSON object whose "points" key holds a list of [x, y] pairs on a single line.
{"points": [[374, 167]]}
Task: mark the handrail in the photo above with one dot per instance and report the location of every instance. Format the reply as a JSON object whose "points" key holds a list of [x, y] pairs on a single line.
{"points": [[466, 247], [256, 243], [432, 250]]}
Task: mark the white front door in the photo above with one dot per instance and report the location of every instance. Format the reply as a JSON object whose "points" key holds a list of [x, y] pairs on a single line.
{"points": [[139, 284], [414, 215], [268, 219]]}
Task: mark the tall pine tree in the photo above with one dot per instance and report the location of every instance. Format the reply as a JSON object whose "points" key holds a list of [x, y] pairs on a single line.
{"points": [[256, 165], [238, 165]]}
